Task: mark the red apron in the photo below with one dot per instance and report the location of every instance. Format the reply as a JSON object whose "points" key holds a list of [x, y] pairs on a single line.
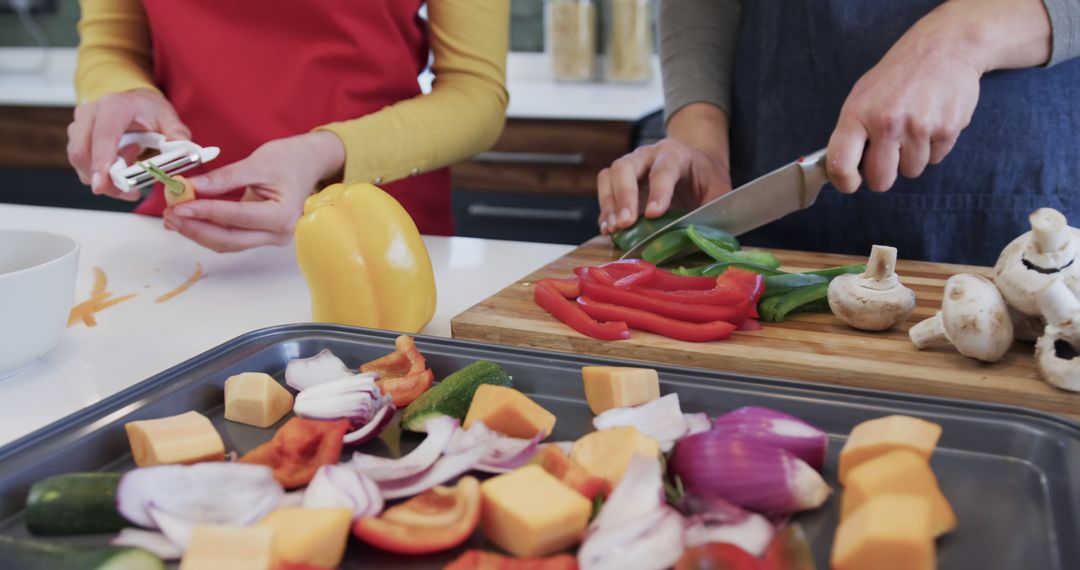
{"points": [[244, 72]]}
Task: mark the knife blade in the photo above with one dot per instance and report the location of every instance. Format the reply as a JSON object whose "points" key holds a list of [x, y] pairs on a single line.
{"points": [[783, 191]]}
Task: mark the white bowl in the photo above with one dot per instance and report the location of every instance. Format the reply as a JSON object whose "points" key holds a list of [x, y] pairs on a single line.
{"points": [[37, 288]]}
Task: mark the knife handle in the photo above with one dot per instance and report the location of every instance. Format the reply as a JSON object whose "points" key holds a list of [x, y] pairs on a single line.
{"points": [[815, 176]]}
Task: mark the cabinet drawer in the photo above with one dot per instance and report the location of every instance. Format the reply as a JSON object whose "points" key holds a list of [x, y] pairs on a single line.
{"points": [[34, 137], [560, 157], [522, 217]]}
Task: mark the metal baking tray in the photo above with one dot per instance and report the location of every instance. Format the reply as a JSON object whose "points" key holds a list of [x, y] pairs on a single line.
{"points": [[1011, 474]]}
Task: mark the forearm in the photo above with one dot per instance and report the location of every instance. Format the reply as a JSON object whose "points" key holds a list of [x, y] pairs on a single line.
{"points": [[990, 34], [114, 49], [463, 114], [697, 52], [703, 126]]}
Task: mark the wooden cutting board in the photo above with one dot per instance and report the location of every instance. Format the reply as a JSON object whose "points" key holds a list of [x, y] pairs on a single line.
{"points": [[816, 347]]}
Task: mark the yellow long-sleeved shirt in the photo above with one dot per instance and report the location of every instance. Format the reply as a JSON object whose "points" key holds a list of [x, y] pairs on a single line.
{"points": [[462, 115]]}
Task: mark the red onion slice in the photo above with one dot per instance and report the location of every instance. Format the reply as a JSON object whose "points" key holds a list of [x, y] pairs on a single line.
{"points": [[697, 423], [443, 470], [777, 429], [151, 541], [640, 491], [337, 486], [355, 398], [651, 542], [440, 430], [744, 471], [303, 373], [374, 427], [661, 419], [711, 519]]}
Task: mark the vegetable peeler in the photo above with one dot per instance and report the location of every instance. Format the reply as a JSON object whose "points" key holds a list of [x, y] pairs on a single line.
{"points": [[173, 157]]}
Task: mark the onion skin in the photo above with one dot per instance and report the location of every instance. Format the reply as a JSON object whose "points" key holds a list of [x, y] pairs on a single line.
{"points": [[745, 472]]}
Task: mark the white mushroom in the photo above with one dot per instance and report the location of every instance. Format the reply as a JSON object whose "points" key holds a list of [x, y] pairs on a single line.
{"points": [[1025, 327], [1056, 350], [1037, 257], [874, 300], [973, 318]]}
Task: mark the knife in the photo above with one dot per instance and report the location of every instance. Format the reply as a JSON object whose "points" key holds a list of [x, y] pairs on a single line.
{"points": [[781, 192]]}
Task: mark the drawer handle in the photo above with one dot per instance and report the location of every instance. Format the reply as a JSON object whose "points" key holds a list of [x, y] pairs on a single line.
{"points": [[548, 158], [486, 211]]}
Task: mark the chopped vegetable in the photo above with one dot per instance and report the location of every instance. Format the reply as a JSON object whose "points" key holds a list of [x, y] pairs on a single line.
{"points": [[75, 503], [404, 389], [627, 238], [439, 431], [900, 472], [151, 541], [555, 461], [748, 473], [482, 560], [234, 547], [356, 399], [694, 313], [438, 519], [716, 250], [185, 438], [338, 486], [712, 519], [608, 387], [879, 436], [452, 396], [607, 453], [444, 469], [299, 448], [34, 554], [672, 245], [303, 373], [529, 513], [651, 322], [661, 419], [549, 299], [716, 556], [776, 309], [309, 536], [256, 399], [177, 188], [789, 550], [504, 453], [403, 374], [888, 532], [176, 498], [508, 411], [777, 429]]}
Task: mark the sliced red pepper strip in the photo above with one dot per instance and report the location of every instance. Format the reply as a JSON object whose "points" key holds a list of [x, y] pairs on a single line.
{"points": [[601, 275], [404, 389], [750, 325], [572, 316], [754, 283], [299, 448], [666, 281], [734, 295], [405, 360], [481, 560], [735, 313], [435, 520], [646, 321], [568, 288]]}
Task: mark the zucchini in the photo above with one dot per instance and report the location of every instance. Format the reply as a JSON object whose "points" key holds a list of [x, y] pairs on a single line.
{"points": [[452, 396], [34, 554], [76, 503]]}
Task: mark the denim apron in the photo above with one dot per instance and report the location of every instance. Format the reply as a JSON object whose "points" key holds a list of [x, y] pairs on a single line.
{"points": [[796, 62]]}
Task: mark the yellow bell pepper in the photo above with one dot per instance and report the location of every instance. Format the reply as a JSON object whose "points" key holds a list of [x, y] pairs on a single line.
{"points": [[364, 261]]}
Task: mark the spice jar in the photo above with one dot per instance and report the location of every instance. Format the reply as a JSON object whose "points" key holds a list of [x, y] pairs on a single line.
{"points": [[571, 39], [629, 33]]}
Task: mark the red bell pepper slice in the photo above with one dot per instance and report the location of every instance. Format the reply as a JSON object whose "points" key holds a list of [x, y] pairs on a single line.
{"points": [[735, 313], [667, 281], [299, 448], [482, 560], [716, 296], [753, 283], [717, 556], [622, 273], [789, 550], [405, 360], [570, 472], [404, 389], [435, 520], [646, 321], [572, 316], [568, 288]]}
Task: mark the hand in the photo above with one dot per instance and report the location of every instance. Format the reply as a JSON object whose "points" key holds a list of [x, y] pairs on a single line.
{"points": [[909, 109], [95, 132], [687, 168], [276, 179]]}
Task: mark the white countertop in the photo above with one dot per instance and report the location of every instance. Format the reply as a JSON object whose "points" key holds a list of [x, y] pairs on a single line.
{"points": [[239, 293], [35, 77]]}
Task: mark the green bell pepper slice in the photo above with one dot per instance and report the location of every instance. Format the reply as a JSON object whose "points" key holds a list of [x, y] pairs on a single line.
{"points": [[626, 238], [715, 250], [776, 309]]}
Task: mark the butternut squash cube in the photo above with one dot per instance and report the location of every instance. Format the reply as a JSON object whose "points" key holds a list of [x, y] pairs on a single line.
{"points": [[606, 453], [899, 472], [888, 532], [187, 438], [309, 536], [508, 411], [879, 436], [529, 513], [232, 547], [256, 399], [608, 387]]}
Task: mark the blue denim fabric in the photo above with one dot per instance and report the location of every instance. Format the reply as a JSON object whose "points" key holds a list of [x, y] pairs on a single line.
{"points": [[795, 63]]}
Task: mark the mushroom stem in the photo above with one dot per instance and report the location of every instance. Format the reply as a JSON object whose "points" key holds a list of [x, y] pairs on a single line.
{"points": [[882, 263], [1050, 230], [929, 332], [1058, 304]]}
